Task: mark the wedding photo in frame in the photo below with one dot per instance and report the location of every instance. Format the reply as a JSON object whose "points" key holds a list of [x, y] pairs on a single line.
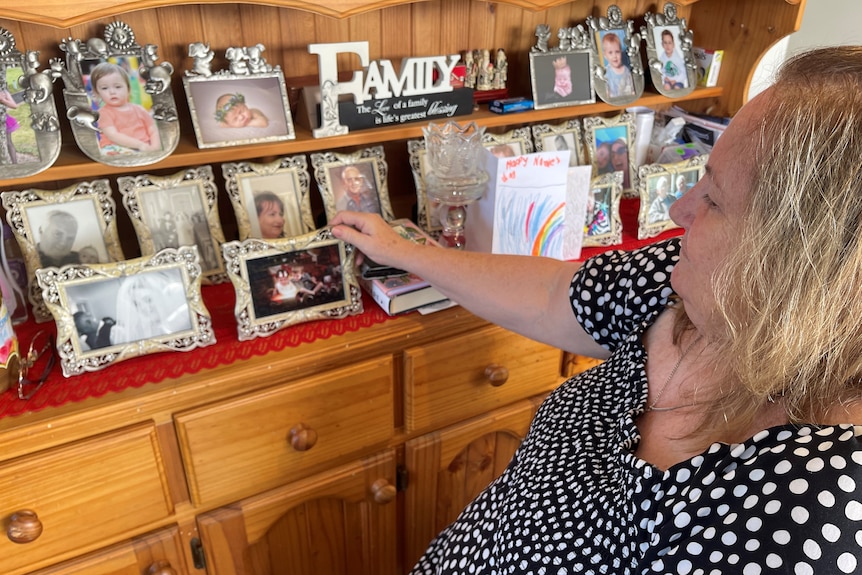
{"points": [[670, 53], [618, 72], [560, 137], [271, 200], [55, 228], [610, 144], [119, 98], [177, 210], [509, 144], [30, 138], [285, 282], [603, 225], [562, 78], [354, 182], [107, 313], [660, 186]]}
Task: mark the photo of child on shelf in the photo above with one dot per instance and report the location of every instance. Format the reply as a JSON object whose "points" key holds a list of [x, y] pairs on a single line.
{"points": [[618, 74], [20, 138]]}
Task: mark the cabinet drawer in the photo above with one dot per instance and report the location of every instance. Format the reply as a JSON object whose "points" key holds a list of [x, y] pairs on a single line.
{"points": [[83, 495], [242, 446], [465, 376]]}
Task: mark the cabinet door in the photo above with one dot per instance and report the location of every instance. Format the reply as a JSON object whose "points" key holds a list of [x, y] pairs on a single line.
{"points": [[447, 469], [341, 522]]}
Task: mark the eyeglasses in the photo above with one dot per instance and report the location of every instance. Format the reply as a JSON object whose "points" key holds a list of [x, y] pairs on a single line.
{"points": [[42, 344], [221, 113]]}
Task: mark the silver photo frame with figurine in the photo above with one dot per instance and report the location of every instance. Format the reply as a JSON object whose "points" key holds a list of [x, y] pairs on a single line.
{"points": [[660, 186], [610, 144], [670, 52], [244, 104], [285, 282], [618, 72], [30, 138], [562, 75], [107, 313], [270, 200], [567, 135], [118, 98], [353, 181], [55, 228]]}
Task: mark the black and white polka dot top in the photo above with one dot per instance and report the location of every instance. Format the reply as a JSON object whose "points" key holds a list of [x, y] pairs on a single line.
{"points": [[575, 500]]}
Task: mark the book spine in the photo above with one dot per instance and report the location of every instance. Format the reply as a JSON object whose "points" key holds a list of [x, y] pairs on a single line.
{"points": [[377, 295]]}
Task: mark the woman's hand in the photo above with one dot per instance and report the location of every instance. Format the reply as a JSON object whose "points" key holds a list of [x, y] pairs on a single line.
{"points": [[373, 237]]}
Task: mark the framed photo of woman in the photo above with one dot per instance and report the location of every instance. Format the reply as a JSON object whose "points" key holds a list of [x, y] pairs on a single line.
{"points": [[559, 137], [610, 144], [56, 228], [355, 182], [618, 73], [660, 186], [107, 313], [272, 200], [670, 53], [177, 210]]}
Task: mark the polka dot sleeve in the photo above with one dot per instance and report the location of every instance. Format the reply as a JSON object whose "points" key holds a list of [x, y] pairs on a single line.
{"points": [[613, 292]]}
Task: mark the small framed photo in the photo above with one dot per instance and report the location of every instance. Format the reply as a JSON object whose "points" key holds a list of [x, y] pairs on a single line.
{"points": [[272, 200], [174, 211], [559, 137], [562, 77], [603, 226], [75, 225], [618, 73], [245, 104], [119, 98], [610, 144], [284, 282], [670, 53], [660, 186], [29, 128], [513, 143], [355, 182], [107, 313], [427, 216]]}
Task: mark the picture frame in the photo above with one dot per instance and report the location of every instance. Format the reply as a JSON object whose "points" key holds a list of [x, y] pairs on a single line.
{"points": [[661, 185], [610, 144], [355, 181], [30, 138], [270, 200], [245, 104], [516, 142], [107, 313], [278, 282], [54, 228], [670, 53], [603, 225], [118, 98], [565, 136], [177, 210], [427, 216], [562, 76], [618, 74]]}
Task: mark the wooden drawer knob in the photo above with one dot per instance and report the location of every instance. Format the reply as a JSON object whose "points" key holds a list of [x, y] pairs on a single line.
{"points": [[302, 438], [496, 374], [24, 527], [384, 492], [161, 567]]}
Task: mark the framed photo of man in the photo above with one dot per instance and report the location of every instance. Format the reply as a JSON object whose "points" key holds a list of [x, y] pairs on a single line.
{"points": [[354, 182], [660, 186], [55, 228], [562, 78], [271, 200], [670, 53], [618, 73], [559, 137], [610, 144]]}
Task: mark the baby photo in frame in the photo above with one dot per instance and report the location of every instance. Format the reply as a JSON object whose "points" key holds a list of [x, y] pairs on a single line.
{"points": [[559, 137], [107, 313], [509, 144], [670, 53], [355, 182], [610, 145], [55, 228], [177, 210], [603, 225], [284, 282], [660, 186], [562, 78], [270, 200], [618, 71]]}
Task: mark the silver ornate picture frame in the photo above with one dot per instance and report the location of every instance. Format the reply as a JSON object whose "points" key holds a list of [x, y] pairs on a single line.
{"points": [[660, 186], [107, 313], [670, 53], [30, 138], [177, 210], [603, 225], [516, 142], [245, 104], [426, 212], [270, 200], [562, 76], [610, 144], [118, 98], [54, 228], [618, 72], [281, 283], [355, 181], [558, 137]]}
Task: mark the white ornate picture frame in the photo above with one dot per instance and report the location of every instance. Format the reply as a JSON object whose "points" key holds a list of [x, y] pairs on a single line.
{"points": [[426, 212], [285, 282], [563, 75], [177, 210], [557, 137], [270, 200], [603, 225], [618, 72], [355, 181], [74, 225], [670, 53], [515, 142], [107, 313], [610, 144], [660, 186]]}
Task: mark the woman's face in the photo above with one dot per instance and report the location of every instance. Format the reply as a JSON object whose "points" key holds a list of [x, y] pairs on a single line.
{"points": [[271, 221]]}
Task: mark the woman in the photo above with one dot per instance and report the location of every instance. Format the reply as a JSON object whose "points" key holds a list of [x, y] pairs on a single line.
{"points": [[718, 434]]}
